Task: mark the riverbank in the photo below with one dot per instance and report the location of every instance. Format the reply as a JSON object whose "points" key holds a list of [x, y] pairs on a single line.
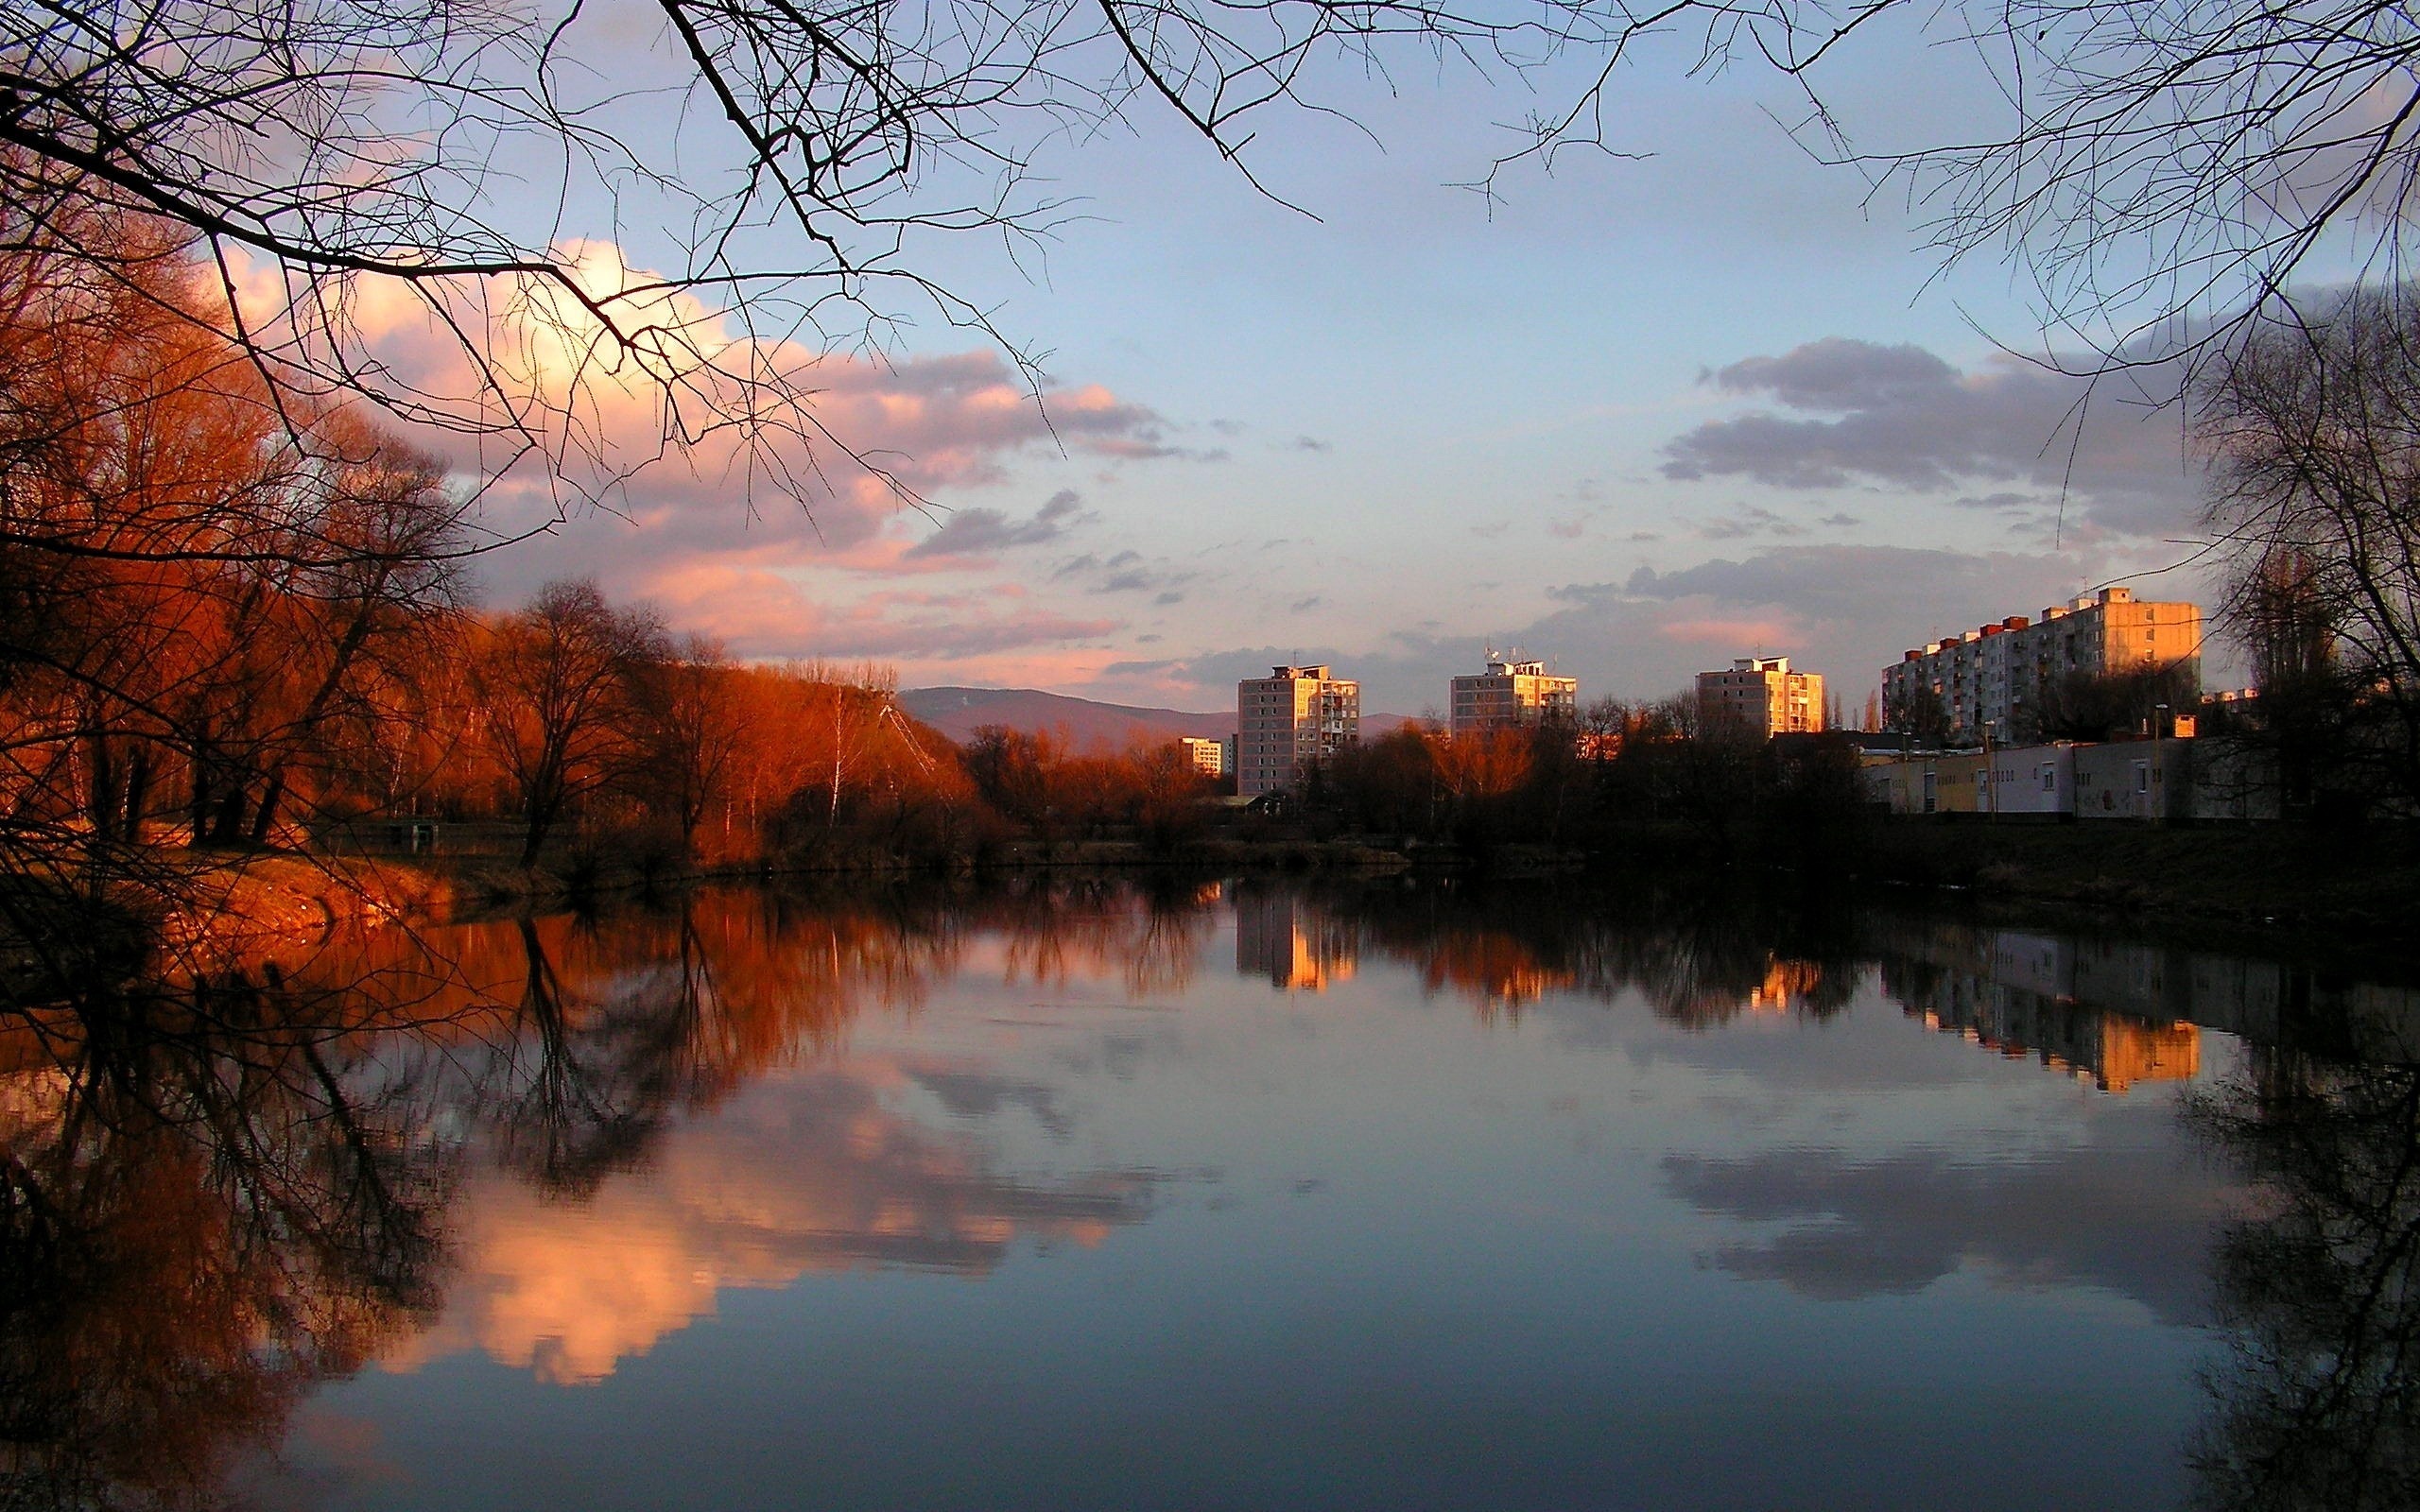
{"points": [[2282, 882], [488, 884], [175, 914], [2360, 889]]}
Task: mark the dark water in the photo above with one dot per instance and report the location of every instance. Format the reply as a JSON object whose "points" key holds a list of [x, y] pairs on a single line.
{"points": [[1245, 1196]]}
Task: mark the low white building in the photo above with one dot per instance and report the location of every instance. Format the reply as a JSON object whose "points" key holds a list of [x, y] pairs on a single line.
{"points": [[2039, 779]]}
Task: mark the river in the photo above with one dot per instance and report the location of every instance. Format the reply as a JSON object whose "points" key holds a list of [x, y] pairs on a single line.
{"points": [[1228, 1195]]}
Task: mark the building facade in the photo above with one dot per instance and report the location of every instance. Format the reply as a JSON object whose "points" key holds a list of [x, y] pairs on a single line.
{"points": [[1760, 697], [1510, 695], [1987, 680], [1209, 757], [1286, 721]]}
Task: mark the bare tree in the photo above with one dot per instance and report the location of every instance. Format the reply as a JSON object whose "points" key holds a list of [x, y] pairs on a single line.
{"points": [[694, 724], [557, 687], [2312, 426]]}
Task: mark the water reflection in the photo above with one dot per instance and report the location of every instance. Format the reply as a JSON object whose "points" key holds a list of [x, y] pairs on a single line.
{"points": [[2319, 1406], [557, 1142], [209, 1202]]}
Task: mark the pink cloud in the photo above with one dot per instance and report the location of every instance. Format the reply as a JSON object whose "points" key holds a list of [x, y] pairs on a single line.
{"points": [[694, 430], [1765, 634], [763, 613]]}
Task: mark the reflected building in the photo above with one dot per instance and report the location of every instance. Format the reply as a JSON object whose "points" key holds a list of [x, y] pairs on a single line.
{"points": [[2023, 995], [1297, 949], [1789, 984], [2265, 1002]]}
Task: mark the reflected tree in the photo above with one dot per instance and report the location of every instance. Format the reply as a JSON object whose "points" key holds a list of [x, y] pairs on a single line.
{"points": [[209, 1201], [2319, 1406], [569, 1110]]}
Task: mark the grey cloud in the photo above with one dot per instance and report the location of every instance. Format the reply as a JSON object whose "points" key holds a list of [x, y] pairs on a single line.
{"points": [[1130, 572], [1310, 444], [1844, 582], [1839, 373], [1302, 605], [1855, 413], [1748, 520], [978, 531]]}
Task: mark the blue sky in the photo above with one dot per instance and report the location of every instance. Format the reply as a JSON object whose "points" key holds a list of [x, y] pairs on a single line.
{"points": [[1638, 416]]}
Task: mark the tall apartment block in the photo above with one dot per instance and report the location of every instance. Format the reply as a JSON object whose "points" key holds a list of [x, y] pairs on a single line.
{"points": [[1287, 720], [1760, 698], [1510, 694], [1987, 680], [1208, 757]]}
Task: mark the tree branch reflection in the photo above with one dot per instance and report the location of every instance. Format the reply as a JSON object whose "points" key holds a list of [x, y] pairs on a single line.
{"points": [[2319, 1405], [209, 1201]]}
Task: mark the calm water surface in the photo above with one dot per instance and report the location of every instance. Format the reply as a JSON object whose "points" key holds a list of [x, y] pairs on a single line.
{"points": [[1241, 1195]]}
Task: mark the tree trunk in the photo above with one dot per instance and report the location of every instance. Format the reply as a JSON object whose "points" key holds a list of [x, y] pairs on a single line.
{"points": [[204, 772], [227, 827], [264, 816], [138, 791], [101, 791]]}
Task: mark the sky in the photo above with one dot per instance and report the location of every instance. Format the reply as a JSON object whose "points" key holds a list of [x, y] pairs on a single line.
{"points": [[1638, 417]]}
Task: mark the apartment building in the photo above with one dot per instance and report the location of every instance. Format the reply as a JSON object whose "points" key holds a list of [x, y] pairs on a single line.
{"points": [[1760, 697], [1988, 679], [1209, 757], [1511, 693], [1289, 719]]}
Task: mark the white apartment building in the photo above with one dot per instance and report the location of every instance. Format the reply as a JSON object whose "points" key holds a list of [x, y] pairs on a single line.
{"points": [[1760, 698], [1209, 757], [1988, 679], [1510, 694], [1286, 721]]}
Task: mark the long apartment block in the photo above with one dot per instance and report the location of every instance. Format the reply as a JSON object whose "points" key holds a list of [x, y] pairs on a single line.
{"points": [[1988, 679]]}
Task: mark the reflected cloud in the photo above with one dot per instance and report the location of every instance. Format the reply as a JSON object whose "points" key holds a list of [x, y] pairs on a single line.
{"points": [[814, 1172], [1897, 1224]]}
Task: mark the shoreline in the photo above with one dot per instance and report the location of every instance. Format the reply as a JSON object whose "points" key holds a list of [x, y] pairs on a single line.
{"points": [[2267, 888]]}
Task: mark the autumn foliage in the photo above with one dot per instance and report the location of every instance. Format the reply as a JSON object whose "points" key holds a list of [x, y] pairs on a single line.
{"points": [[227, 623]]}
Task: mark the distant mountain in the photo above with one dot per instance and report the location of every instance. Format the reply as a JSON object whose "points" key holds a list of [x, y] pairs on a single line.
{"points": [[958, 712]]}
